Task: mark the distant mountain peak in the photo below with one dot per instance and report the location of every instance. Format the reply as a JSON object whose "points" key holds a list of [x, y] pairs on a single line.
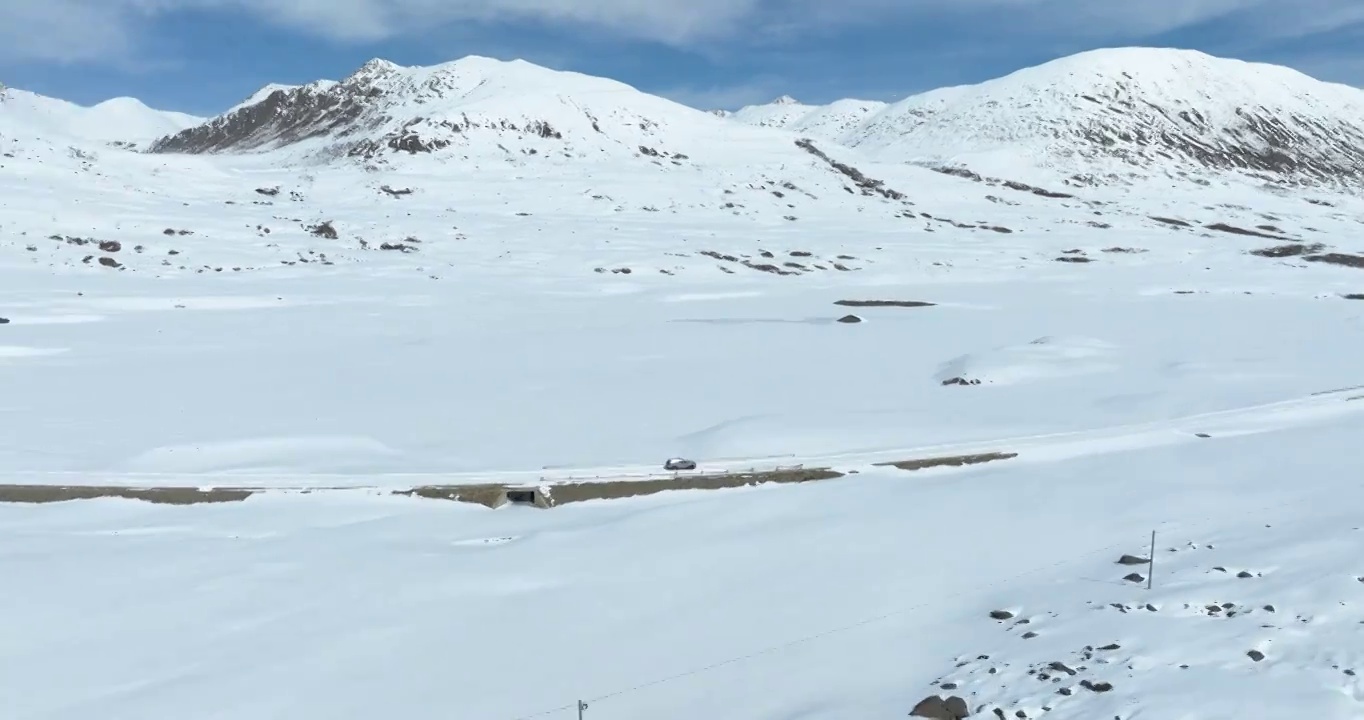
{"points": [[479, 103], [1115, 112], [122, 121], [785, 100], [377, 66]]}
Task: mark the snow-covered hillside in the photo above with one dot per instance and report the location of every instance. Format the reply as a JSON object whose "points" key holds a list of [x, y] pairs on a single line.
{"points": [[1111, 115], [475, 106], [26, 115], [832, 121], [345, 336]]}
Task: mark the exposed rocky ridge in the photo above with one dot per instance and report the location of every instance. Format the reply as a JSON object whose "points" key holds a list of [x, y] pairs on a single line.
{"points": [[514, 108]]}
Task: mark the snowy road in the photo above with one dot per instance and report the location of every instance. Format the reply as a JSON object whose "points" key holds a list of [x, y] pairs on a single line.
{"points": [[1319, 407]]}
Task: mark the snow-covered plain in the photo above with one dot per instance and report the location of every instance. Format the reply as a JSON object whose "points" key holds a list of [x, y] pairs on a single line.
{"points": [[590, 313]]}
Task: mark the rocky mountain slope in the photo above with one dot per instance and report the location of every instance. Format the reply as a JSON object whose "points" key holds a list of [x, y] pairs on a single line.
{"points": [[1100, 117], [472, 162], [474, 105], [1110, 115]]}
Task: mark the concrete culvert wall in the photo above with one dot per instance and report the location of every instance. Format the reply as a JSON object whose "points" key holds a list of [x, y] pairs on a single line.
{"points": [[492, 496], [527, 496]]}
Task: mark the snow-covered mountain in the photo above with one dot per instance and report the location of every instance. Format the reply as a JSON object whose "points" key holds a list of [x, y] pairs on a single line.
{"points": [[515, 287], [121, 120], [1107, 114], [1095, 117], [831, 121], [472, 105]]}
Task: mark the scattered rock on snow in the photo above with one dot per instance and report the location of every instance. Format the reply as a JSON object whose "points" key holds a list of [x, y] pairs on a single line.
{"points": [[1135, 578], [935, 707], [1335, 258], [1133, 560], [1255, 655], [1001, 615], [850, 319], [324, 229]]}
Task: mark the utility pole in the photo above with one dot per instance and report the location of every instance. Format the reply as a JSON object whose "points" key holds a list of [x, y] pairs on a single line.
{"points": [[1151, 569], [581, 707]]}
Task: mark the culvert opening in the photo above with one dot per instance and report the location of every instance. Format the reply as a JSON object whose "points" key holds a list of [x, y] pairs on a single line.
{"points": [[521, 497]]}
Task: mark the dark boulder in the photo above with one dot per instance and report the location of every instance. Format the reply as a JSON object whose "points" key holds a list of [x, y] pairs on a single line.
{"points": [[935, 707]]}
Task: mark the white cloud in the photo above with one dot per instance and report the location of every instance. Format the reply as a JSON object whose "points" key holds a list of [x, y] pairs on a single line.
{"points": [[62, 30], [79, 30], [82, 30]]}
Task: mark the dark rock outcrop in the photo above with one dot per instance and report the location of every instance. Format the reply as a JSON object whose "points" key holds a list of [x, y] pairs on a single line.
{"points": [[936, 707]]}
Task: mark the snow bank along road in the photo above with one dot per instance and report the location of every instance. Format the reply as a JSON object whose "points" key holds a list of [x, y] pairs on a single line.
{"points": [[596, 483]]}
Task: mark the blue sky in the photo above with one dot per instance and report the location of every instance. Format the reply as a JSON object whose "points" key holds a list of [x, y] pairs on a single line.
{"points": [[201, 56]]}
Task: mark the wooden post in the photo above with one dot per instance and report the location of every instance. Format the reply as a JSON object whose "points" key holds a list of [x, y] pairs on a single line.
{"points": [[1151, 569]]}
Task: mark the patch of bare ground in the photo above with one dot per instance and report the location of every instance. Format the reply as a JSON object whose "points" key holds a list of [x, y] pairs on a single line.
{"points": [[1336, 391], [1289, 250], [554, 495], [42, 494], [884, 303], [486, 495], [1126, 250], [1041, 192], [1171, 221], [868, 186], [1353, 296], [812, 263], [323, 229], [1342, 259], [578, 492], [1223, 227], [965, 173], [949, 461]]}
